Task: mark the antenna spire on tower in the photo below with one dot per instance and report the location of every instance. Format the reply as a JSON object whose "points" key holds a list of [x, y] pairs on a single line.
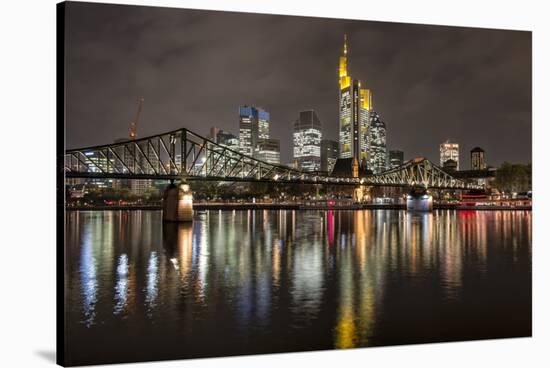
{"points": [[345, 43]]}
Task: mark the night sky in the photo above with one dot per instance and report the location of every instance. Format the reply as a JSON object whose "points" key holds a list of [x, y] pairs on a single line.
{"points": [[194, 68]]}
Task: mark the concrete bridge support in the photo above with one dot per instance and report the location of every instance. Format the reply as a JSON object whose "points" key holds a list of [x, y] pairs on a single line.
{"points": [[177, 204], [362, 193], [419, 201]]}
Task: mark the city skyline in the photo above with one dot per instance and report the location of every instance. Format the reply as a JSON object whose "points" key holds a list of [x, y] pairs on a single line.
{"points": [[102, 101]]}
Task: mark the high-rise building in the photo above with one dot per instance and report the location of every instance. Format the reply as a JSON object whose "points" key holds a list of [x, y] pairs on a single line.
{"points": [[269, 150], [377, 144], [449, 151], [355, 104], [248, 129], [477, 159], [307, 141], [227, 139], [253, 125], [395, 158], [329, 154], [263, 124]]}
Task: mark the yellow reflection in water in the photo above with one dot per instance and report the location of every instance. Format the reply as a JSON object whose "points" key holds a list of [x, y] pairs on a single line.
{"points": [[358, 272], [185, 251]]}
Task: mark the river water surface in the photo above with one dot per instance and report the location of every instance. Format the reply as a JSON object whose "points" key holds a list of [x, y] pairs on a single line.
{"points": [[248, 282]]}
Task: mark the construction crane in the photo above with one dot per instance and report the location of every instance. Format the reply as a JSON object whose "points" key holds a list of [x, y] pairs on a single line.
{"points": [[133, 124]]}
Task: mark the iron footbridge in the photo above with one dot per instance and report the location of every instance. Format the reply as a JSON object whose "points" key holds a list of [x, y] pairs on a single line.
{"points": [[183, 154]]}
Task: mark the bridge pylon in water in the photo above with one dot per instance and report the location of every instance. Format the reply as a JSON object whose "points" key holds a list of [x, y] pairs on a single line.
{"points": [[362, 193], [419, 199], [177, 203]]}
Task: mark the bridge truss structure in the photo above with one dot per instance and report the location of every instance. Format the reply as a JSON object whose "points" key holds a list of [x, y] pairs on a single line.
{"points": [[182, 154]]}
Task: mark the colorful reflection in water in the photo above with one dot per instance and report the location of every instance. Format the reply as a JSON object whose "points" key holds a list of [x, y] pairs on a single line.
{"points": [[237, 282]]}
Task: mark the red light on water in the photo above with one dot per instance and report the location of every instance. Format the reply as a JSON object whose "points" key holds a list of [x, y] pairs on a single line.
{"points": [[330, 227]]}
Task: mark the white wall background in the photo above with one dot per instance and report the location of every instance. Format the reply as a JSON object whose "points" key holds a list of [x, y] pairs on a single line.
{"points": [[27, 119]]}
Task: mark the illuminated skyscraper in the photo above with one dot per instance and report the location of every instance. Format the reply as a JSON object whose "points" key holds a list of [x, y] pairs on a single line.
{"points": [[307, 141], [269, 150], [355, 105], [263, 124], [377, 140], [253, 125], [477, 159], [248, 129], [449, 151]]}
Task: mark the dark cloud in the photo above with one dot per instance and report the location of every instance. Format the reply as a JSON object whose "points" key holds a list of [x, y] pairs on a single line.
{"points": [[194, 68]]}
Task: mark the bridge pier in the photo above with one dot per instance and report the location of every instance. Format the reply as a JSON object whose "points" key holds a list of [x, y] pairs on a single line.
{"points": [[361, 193], [177, 204], [419, 201]]}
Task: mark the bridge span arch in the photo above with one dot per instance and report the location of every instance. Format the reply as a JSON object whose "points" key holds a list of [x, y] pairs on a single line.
{"points": [[183, 154]]}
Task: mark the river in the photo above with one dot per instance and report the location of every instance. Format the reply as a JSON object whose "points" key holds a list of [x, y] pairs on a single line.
{"points": [[249, 282]]}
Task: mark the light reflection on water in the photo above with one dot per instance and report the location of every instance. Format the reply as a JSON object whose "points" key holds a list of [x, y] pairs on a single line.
{"points": [[296, 280], [88, 280], [121, 288]]}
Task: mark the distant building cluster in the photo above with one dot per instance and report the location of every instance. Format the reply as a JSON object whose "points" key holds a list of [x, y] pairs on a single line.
{"points": [[361, 147], [449, 157], [362, 134]]}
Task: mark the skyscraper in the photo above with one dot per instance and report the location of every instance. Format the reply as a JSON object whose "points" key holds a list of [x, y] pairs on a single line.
{"points": [[477, 159], [355, 104], [377, 149], [329, 154], [449, 151], [263, 124], [269, 150], [307, 141], [248, 129], [395, 158], [253, 125]]}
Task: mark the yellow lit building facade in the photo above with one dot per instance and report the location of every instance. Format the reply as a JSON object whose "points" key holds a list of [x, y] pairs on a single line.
{"points": [[355, 105]]}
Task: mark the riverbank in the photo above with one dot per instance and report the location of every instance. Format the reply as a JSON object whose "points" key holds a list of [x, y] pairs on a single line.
{"points": [[298, 206]]}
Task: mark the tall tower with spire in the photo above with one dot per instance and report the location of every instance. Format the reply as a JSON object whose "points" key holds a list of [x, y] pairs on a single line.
{"points": [[355, 103]]}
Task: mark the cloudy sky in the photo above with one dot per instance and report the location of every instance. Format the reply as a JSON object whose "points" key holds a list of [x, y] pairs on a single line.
{"points": [[194, 68]]}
